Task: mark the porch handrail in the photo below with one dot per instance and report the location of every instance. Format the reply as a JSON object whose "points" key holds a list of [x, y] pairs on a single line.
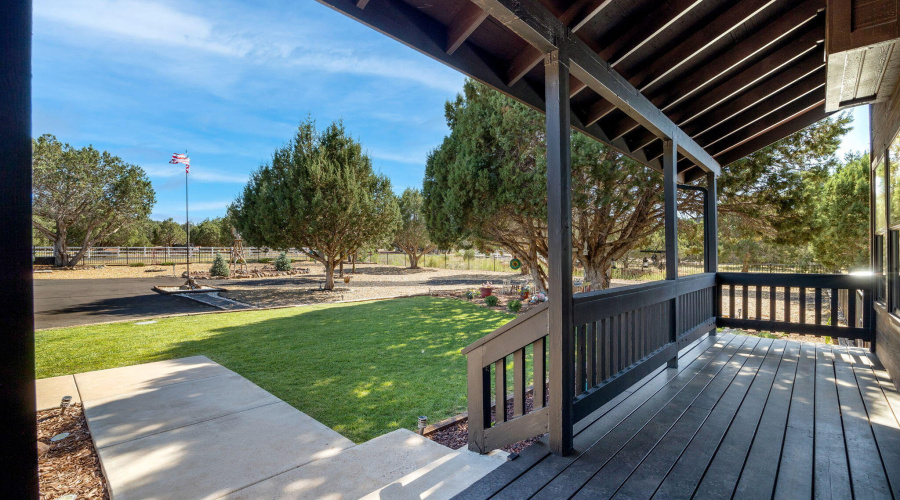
{"points": [[823, 289], [621, 335]]}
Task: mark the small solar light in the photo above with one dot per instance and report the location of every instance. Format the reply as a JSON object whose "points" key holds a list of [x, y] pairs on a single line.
{"points": [[64, 404], [59, 437], [423, 423]]}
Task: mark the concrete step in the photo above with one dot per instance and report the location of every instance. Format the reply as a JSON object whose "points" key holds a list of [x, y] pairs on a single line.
{"points": [[441, 479], [352, 473]]}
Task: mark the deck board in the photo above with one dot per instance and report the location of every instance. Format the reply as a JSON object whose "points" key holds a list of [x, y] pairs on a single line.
{"points": [[742, 417]]}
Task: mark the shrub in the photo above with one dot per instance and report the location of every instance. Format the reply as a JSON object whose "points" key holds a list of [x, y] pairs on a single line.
{"points": [[167, 263], [491, 300], [471, 294], [219, 267], [283, 263], [514, 305], [265, 260], [137, 264]]}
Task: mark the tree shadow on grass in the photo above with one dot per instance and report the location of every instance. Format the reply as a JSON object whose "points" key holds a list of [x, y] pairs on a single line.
{"points": [[363, 369]]}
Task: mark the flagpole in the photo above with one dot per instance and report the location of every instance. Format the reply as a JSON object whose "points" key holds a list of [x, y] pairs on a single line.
{"points": [[187, 223]]}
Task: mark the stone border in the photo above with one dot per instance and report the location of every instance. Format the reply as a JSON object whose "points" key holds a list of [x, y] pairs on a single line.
{"points": [[207, 289]]}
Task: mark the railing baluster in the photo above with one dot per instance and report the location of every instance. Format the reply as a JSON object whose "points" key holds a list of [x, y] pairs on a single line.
{"points": [[731, 308], [500, 390], [772, 295], [818, 306], [745, 302], [834, 307], [802, 305], [851, 308], [604, 348], [519, 383], [591, 354], [579, 360], [758, 302], [540, 374], [787, 304]]}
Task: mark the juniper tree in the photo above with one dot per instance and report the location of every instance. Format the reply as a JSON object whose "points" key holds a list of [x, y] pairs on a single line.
{"points": [[84, 195], [487, 184], [412, 235], [319, 194]]}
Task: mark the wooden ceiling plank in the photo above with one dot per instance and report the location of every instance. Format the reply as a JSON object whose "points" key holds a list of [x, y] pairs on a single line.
{"points": [[788, 113], [788, 25], [700, 40], [810, 65], [776, 134], [362, 3], [651, 25], [766, 122], [812, 83], [464, 23], [775, 62]]}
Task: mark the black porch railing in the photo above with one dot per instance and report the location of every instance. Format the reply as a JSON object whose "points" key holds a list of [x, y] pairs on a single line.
{"points": [[624, 334]]}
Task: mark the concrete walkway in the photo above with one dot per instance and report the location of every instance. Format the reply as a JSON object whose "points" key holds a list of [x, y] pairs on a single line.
{"points": [[190, 428]]}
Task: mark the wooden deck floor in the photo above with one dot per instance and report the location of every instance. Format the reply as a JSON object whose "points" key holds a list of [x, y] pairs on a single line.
{"points": [[741, 417]]}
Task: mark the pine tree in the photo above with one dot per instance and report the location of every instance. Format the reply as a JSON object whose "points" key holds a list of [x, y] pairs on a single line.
{"points": [[219, 267], [283, 263]]}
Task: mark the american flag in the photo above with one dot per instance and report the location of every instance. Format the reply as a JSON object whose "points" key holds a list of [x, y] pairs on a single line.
{"points": [[181, 158]]}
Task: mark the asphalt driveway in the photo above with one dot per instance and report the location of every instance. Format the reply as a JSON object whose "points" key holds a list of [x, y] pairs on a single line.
{"points": [[83, 301]]}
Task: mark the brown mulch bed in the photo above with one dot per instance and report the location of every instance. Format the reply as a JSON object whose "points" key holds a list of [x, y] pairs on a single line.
{"points": [[71, 465], [503, 300], [456, 436]]}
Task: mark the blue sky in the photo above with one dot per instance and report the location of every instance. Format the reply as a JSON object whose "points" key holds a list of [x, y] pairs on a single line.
{"points": [[230, 81]]}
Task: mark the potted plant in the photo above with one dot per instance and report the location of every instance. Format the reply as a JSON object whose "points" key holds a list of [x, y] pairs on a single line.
{"points": [[525, 293], [486, 289]]}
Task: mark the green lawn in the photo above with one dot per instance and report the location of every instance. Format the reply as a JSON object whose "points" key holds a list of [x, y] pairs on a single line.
{"points": [[363, 369]]}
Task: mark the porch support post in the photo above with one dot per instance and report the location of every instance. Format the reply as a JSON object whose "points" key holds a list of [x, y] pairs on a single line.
{"points": [[711, 226], [559, 233], [711, 237], [18, 427], [670, 181]]}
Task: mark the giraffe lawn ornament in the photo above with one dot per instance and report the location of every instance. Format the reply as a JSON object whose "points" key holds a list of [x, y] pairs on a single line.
{"points": [[237, 253]]}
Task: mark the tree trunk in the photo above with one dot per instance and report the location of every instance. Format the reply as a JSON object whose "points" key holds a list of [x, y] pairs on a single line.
{"points": [[60, 250], [597, 275], [342, 267], [745, 268], [329, 273], [538, 280], [353, 270], [413, 260]]}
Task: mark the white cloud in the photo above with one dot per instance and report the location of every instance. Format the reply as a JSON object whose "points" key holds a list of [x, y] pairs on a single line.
{"points": [[178, 33]]}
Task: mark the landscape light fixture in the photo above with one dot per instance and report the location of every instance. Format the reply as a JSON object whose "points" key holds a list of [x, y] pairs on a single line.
{"points": [[64, 404], [423, 423]]}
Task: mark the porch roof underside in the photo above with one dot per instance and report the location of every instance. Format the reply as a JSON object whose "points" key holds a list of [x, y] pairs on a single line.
{"points": [[742, 417], [730, 77]]}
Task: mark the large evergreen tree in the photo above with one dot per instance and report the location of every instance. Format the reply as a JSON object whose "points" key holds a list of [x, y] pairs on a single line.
{"points": [[84, 196], [841, 238], [319, 194], [486, 184]]}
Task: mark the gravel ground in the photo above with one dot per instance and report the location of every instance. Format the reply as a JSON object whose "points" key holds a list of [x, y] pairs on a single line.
{"points": [[370, 281], [71, 465]]}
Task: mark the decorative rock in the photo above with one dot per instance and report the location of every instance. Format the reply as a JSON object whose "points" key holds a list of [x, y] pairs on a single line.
{"points": [[43, 448]]}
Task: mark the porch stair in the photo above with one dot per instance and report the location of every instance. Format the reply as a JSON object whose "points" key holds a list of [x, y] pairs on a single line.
{"points": [[192, 429]]}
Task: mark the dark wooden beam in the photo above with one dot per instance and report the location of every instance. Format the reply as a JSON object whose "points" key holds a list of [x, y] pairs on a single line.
{"points": [[777, 61], [778, 117], [559, 240], [18, 426], [810, 70], [575, 17], [464, 23], [537, 26], [362, 3], [787, 128], [814, 84]]}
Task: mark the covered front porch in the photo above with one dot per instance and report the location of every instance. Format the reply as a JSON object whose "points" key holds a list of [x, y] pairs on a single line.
{"points": [[741, 417]]}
